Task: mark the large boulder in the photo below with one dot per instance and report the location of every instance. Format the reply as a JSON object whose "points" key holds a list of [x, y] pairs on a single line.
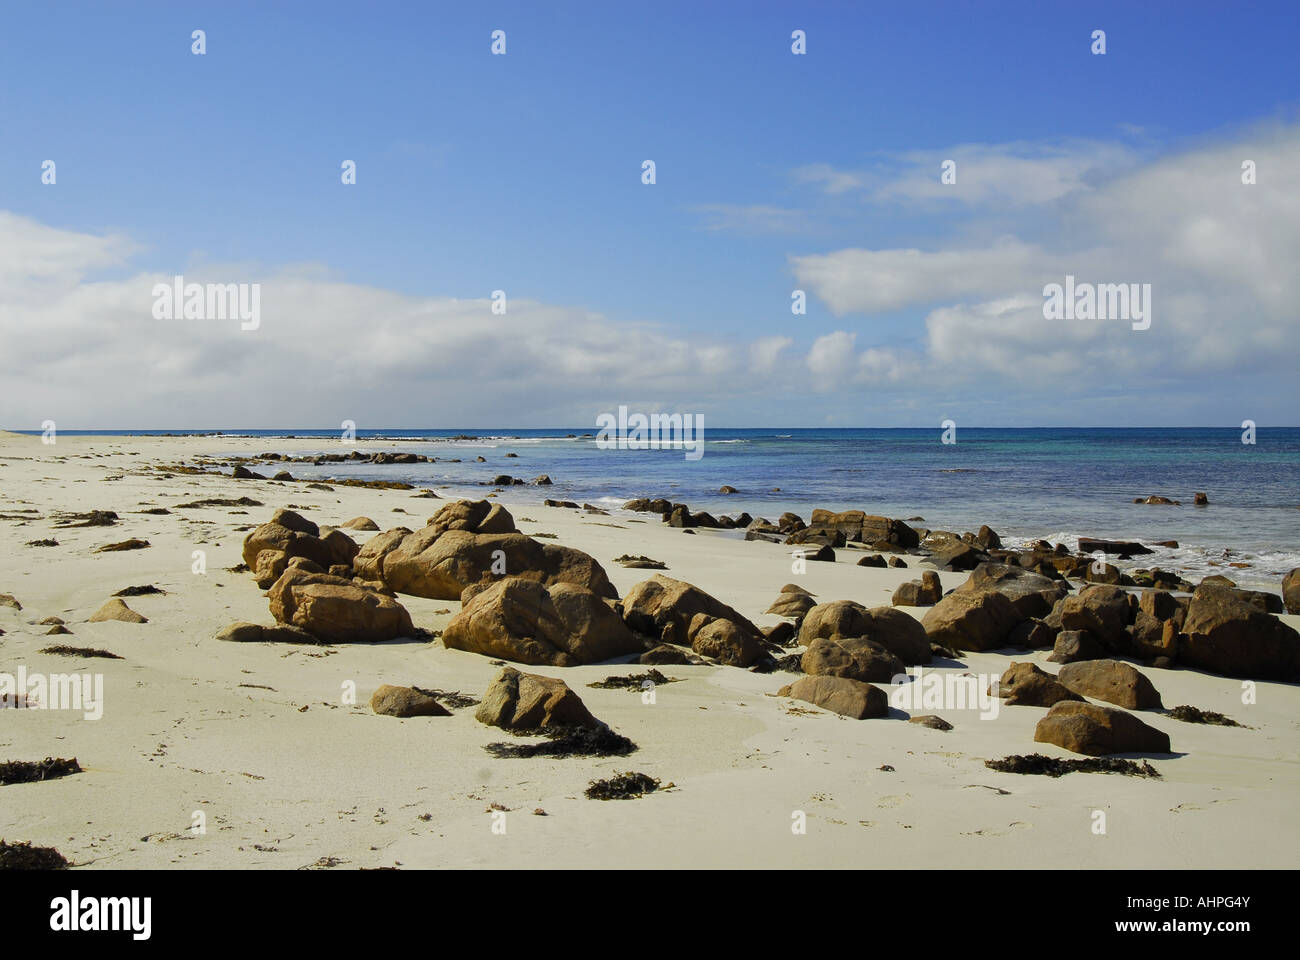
{"points": [[1032, 594], [336, 610], [1096, 731], [1225, 634], [971, 621], [526, 701], [724, 641], [865, 528], [1110, 680], [662, 607], [1291, 591], [898, 632], [1025, 684], [1101, 610], [853, 657], [288, 535], [439, 563], [561, 625], [1072, 646], [849, 698]]}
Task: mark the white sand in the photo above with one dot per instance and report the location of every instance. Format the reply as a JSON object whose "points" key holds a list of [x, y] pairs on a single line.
{"points": [[290, 775]]}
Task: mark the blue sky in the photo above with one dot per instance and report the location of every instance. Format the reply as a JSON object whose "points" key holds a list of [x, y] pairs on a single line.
{"points": [[522, 172]]}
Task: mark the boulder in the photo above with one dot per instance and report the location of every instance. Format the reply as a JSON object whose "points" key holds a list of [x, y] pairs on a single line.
{"points": [[665, 654], [896, 631], [115, 609], [1154, 638], [241, 632], [1225, 634], [1032, 594], [956, 555], [1123, 548], [526, 701], [288, 535], [663, 604], [439, 563], [560, 625], [1031, 634], [849, 698], [1024, 684], [337, 610], [792, 605], [392, 701], [726, 642], [971, 621], [1101, 610], [1111, 680], [1097, 731], [1161, 604], [872, 560], [1291, 591], [360, 523], [925, 592], [1075, 645], [853, 657]]}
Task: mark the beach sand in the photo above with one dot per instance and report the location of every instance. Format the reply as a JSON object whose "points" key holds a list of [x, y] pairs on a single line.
{"points": [[257, 738]]}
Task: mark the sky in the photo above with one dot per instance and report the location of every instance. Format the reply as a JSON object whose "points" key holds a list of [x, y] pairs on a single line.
{"points": [[523, 172]]}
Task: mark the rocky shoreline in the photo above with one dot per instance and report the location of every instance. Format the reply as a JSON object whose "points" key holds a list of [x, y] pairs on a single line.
{"points": [[461, 617]]}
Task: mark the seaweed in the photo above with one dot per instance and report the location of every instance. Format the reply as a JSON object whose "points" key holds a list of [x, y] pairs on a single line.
{"points": [[634, 681], [1197, 715], [454, 699], [63, 650], [138, 591], [23, 856], [624, 786], [1037, 763], [26, 771], [220, 502], [566, 742], [94, 518], [43, 543]]}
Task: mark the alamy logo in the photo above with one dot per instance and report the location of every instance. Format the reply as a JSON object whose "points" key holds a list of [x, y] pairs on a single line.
{"points": [[73, 913], [930, 690], [656, 431], [1091, 301], [57, 691], [209, 301]]}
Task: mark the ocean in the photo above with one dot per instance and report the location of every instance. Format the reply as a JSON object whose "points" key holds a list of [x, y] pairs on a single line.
{"points": [[1053, 483]]}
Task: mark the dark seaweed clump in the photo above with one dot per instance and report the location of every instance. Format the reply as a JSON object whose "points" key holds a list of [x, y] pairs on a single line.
{"points": [[93, 518], [43, 543], [566, 742], [633, 681], [790, 663], [63, 650], [23, 856], [138, 591], [454, 699], [27, 771], [1196, 715], [625, 786], [219, 502], [1036, 763]]}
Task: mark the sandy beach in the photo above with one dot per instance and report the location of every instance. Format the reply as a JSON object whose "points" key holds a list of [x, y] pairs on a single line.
{"points": [[259, 738]]}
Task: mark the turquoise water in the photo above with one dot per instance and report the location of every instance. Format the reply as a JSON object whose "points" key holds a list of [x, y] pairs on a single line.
{"points": [[1025, 483]]}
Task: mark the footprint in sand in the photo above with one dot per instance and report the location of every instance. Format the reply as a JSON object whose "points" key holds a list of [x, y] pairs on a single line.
{"points": [[891, 800]]}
